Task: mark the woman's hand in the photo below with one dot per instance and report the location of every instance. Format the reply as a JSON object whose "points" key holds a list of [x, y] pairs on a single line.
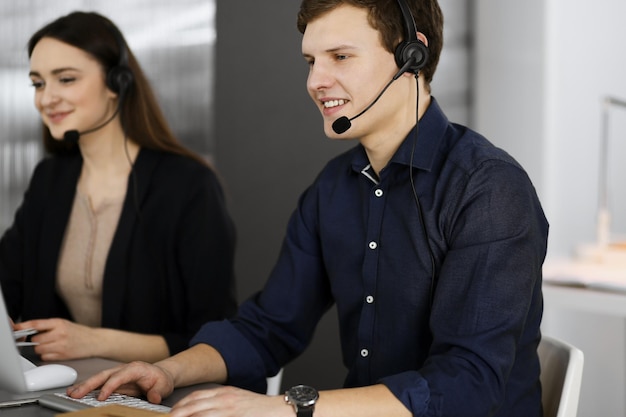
{"points": [[60, 339]]}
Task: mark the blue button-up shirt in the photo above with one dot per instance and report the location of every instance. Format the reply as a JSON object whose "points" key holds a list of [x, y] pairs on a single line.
{"points": [[452, 334]]}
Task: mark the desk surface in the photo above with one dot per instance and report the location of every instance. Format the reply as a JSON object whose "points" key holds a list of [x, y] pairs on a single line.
{"points": [[594, 275], [584, 299], [586, 286], [85, 368]]}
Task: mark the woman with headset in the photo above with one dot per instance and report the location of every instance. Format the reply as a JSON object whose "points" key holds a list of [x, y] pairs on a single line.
{"points": [[122, 246]]}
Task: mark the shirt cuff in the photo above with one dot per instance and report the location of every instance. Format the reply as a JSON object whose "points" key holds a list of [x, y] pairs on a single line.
{"points": [[412, 389], [244, 365]]}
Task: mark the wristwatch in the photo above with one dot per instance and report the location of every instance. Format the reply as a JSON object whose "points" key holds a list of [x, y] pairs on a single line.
{"points": [[303, 399]]}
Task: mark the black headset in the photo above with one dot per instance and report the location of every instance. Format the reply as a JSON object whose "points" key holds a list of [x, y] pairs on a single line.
{"points": [[120, 77], [410, 47]]}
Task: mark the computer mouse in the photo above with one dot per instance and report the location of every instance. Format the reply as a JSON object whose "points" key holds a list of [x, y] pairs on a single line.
{"points": [[50, 376]]}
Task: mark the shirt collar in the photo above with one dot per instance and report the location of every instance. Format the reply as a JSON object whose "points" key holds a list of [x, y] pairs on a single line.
{"points": [[369, 172], [432, 127]]}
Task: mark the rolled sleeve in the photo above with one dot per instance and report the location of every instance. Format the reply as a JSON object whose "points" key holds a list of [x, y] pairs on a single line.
{"points": [[244, 365], [413, 391]]}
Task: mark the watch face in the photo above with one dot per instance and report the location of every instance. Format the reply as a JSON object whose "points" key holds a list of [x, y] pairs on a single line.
{"points": [[303, 395]]}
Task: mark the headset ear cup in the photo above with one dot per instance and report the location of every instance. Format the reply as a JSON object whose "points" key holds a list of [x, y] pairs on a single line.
{"points": [[119, 79], [412, 49]]}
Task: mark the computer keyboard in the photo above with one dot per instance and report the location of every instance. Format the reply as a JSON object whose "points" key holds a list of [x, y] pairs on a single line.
{"points": [[62, 402]]}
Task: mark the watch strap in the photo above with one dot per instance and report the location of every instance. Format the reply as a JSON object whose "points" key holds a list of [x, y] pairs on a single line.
{"points": [[305, 412]]}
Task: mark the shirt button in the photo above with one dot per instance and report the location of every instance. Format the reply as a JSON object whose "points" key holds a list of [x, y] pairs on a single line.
{"points": [[378, 192], [364, 353], [373, 245], [369, 299]]}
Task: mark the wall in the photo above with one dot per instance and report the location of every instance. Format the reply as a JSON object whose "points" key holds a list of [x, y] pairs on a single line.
{"points": [[270, 146], [543, 68]]}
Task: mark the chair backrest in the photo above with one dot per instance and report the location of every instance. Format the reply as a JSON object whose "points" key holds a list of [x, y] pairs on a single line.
{"points": [[561, 377], [274, 382]]}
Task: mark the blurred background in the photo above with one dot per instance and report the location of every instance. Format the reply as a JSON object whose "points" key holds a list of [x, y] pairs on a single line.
{"points": [[531, 76]]}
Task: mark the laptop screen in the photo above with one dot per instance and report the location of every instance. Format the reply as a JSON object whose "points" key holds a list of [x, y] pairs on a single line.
{"points": [[11, 372]]}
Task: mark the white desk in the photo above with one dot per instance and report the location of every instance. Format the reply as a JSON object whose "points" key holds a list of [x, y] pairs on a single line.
{"points": [[585, 300], [595, 321]]}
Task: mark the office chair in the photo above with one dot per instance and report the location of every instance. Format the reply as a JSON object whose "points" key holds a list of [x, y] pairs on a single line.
{"points": [[561, 377], [274, 382]]}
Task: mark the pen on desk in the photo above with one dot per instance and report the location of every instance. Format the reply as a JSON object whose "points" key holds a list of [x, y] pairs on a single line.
{"points": [[17, 403], [22, 344], [18, 334]]}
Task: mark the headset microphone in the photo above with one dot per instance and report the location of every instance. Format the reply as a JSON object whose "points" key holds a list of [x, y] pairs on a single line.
{"points": [[343, 123], [72, 136]]}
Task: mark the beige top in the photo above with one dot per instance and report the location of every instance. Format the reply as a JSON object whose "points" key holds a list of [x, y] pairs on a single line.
{"points": [[83, 257]]}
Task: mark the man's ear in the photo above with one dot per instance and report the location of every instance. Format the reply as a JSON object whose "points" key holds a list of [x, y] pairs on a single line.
{"points": [[422, 38]]}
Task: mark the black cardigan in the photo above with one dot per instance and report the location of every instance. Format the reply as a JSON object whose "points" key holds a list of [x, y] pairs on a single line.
{"points": [[170, 267]]}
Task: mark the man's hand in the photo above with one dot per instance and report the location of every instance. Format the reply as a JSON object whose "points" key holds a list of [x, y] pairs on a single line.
{"points": [[231, 402], [135, 378]]}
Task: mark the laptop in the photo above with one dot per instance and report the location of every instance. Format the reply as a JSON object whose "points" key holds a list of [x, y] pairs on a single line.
{"points": [[12, 364], [14, 382]]}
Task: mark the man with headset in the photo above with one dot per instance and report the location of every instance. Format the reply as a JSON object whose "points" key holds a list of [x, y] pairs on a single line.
{"points": [[428, 238]]}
